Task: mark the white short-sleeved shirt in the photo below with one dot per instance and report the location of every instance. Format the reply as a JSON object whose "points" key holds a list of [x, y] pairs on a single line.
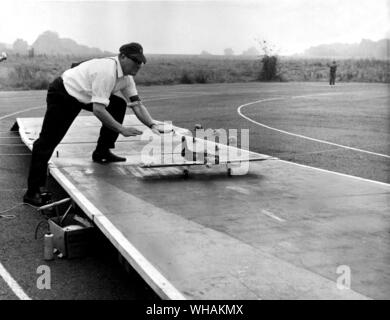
{"points": [[95, 80]]}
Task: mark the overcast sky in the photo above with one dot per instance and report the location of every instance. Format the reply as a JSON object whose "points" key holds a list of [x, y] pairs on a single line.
{"points": [[193, 26]]}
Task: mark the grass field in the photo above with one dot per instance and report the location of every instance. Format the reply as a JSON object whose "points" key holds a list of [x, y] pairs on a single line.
{"points": [[23, 73], [350, 115]]}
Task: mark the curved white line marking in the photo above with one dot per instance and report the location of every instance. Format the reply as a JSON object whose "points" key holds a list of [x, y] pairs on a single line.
{"points": [[299, 135], [21, 111], [17, 290]]}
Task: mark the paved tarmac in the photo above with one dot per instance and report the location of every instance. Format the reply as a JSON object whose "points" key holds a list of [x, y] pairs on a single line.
{"points": [[21, 255]]}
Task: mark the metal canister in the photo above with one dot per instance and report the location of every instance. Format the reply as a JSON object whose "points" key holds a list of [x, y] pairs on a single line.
{"points": [[48, 247]]}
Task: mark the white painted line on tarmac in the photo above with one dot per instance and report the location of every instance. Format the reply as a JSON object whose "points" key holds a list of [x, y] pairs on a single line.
{"points": [[301, 165], [21, 111], [337, 173], [299, 135], [272, 215], [319, 95], [16, 289]]}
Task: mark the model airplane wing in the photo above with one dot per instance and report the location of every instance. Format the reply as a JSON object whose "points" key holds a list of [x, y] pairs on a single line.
{"points": [[203, 163]]}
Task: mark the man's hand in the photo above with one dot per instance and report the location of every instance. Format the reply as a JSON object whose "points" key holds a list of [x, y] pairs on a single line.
{"points": [[155, 129], [161, 128], [130, 132]]}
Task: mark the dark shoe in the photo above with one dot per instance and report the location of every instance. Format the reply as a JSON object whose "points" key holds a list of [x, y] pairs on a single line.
{"points": [[37, 199], [106, 157], [46, 195]]}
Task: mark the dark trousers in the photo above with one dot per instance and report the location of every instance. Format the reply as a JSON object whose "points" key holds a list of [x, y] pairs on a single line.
{"points": [[61, 111], [332, 78]]}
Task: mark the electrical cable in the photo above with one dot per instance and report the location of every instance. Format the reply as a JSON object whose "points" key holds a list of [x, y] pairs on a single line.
{"points": [[17, 205]]}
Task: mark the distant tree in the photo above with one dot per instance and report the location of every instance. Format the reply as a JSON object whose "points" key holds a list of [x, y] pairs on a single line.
{"points": [[20, 46], [269, 62], [205, 53], [228, 52], [31, 53], [252, 51]]}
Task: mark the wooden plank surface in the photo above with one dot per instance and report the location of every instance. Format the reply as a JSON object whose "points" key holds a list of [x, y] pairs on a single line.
{"points": [[280, 232]]}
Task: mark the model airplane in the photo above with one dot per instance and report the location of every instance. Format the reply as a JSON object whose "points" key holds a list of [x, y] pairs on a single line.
{"points": [[201, 152]]}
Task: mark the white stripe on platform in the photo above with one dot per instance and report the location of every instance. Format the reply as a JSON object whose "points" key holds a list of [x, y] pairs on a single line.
{"points": [[16, 289], [239, 189], [23, 135], [152, 276], [273, 216], [147, 271], [90, 210]]}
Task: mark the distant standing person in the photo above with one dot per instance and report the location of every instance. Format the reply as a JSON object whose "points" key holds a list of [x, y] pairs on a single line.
{"points": [[332, 75]]}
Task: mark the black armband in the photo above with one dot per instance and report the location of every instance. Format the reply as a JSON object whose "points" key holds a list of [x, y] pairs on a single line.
{"points": [[134, 98]]}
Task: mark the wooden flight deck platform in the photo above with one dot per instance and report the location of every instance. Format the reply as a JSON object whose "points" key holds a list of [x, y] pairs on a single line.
{"points": [[281, 231]]}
